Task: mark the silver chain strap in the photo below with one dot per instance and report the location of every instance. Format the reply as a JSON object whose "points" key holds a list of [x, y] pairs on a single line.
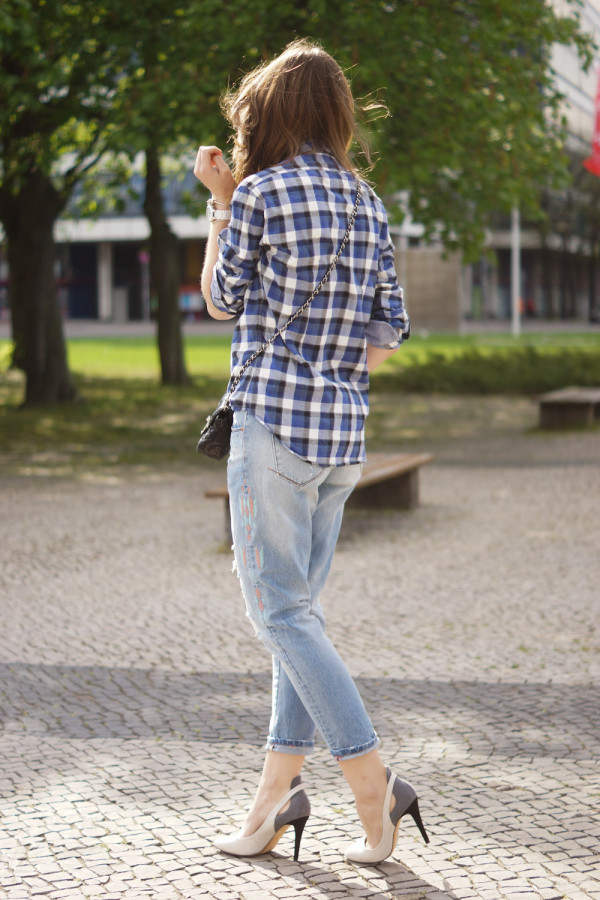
{"points": [[298, 312]]}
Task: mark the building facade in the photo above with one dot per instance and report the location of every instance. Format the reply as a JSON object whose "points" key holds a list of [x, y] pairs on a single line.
{"points": [[103, 265], [560, 268]]}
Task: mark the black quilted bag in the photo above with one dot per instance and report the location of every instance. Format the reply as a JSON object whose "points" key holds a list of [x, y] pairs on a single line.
{"points": [[216, 434]]}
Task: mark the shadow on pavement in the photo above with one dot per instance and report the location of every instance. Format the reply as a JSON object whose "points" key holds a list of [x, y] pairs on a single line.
{"points": [[83, 702], [400, 880]]}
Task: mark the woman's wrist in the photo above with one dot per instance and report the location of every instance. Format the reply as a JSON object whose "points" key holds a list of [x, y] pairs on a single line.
{"points": [[221, 204]]}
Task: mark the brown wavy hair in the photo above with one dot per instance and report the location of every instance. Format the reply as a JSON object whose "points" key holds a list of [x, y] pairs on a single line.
{"points": [[302, 95]]}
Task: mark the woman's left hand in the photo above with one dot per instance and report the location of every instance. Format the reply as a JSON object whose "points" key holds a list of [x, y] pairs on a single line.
{"points": [[214, 173]]}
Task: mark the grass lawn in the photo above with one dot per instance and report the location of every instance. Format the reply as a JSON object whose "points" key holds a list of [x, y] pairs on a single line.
{"points": [[474, 364], [138, 357], [209, 356], [127, 419]]}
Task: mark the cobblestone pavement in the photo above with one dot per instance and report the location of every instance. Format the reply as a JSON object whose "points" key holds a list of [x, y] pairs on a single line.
{"points": [[135, 699]]}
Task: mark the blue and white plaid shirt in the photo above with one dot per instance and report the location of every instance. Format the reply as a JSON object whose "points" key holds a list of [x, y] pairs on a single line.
{"points": [[310, 387]]}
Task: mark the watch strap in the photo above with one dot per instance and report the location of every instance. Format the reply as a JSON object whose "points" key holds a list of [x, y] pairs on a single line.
{"points": [[216, 215]]}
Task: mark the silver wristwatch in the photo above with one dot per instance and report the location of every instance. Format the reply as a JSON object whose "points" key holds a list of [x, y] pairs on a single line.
{"points": [[217, 215]]}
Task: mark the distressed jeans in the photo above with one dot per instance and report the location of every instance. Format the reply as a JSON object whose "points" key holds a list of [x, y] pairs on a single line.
{"points": [[286, 515]]}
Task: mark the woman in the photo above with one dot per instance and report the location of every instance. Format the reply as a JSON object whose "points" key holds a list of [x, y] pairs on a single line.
{"points": [[297, 444]]}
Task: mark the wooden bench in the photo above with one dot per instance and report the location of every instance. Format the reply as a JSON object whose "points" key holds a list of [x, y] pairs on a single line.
{"points": [[570, 407], [388, 481]]}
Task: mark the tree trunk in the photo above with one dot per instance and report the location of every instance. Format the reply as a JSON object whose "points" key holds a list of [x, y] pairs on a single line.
{"points": [[40, 350], [164, 274]]}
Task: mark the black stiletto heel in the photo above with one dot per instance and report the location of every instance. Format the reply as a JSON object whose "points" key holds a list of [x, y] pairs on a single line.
{"points": [[413, 810], [298, 829]]}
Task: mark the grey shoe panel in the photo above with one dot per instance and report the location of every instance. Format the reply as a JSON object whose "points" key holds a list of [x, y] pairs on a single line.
{"points": [[404, 794], [299, 808]]}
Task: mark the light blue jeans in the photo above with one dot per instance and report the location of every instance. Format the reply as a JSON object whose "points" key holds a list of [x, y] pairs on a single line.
{"points": [[286, 515]]}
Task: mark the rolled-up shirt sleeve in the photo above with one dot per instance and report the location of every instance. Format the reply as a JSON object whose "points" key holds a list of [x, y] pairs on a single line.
{"points": [[239, 248], [389, 325]]}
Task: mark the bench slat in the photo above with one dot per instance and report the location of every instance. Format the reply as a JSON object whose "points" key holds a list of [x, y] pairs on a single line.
{"points": [[379, 467], [572, 395], [570, 407], [383, 468], [219, 492]]}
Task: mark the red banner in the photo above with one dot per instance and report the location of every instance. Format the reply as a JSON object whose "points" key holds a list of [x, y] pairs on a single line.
{"points": [[592, 163]]}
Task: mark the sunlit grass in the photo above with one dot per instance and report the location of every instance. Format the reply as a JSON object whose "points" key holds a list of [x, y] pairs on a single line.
{"points": [[138, 357], [208, 355]]}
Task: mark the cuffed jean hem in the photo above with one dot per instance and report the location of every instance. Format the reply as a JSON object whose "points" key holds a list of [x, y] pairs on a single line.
{"points": [[354, 752], [292, 747]]}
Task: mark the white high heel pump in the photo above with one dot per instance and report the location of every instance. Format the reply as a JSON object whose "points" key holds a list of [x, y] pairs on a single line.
{"points": [[406, 802], [276, 823]]}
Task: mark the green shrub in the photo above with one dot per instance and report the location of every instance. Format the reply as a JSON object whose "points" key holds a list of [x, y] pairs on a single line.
{"points": [[523, 370]]}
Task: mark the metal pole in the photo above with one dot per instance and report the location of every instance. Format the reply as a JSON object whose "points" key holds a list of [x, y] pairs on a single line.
{"points": [[515, 270], [105, 281], [144, 261]]}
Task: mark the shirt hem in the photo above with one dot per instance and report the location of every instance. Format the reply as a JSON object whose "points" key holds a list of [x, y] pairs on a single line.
{"points": [[331, 462]]}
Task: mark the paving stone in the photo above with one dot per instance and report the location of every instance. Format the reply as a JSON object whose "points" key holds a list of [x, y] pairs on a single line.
{"points": [[137, 704]]}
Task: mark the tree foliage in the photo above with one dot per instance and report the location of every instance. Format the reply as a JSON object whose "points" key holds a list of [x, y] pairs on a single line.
{"points": [[60, 65], [60, 69], [474, 124]]}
